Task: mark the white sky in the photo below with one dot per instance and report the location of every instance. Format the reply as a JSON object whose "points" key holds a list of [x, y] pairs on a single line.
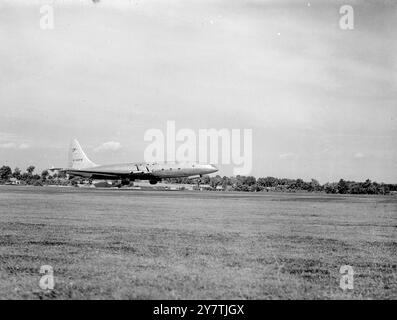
{"points": [[321, 101]]}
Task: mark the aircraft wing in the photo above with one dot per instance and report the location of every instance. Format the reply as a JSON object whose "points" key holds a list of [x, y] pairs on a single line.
{"points": [[100, 174], [56, 169]]}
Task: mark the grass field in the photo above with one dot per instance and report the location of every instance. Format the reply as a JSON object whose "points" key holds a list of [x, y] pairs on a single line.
{"points": [[124, 244]]}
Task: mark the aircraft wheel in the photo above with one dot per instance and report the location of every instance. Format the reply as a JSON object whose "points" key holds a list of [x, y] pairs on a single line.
{"points": [[125, 182]]}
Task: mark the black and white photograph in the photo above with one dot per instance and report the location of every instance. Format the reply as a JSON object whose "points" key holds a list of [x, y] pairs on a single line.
{"points": [[198, 154]]}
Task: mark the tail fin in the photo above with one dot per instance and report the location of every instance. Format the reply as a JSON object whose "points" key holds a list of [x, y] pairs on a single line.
{"points": [[77, 158]]}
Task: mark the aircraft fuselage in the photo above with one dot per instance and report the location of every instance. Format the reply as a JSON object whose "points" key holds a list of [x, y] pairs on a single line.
{"points": [[143, 171], [79, 165]]}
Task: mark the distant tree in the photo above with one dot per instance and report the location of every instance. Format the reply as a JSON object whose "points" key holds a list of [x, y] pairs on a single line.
{"points": [[314, 185], [5, 172], [44, 174], [267, 182], [330, 188], [30, 170], [392, 187], [17, 173], [25, 177], [247, 181], [356, 188], [367, 187], [384, 189], [216, 181], [250, 181], [299, 184], [342, 186], [225, 183], [205, 179], [239, 186]]}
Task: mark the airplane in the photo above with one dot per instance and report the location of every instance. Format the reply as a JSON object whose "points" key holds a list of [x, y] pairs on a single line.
{"points": [[79, 165]]}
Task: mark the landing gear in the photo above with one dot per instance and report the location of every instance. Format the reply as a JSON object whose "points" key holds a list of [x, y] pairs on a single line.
{"points": [[123, 182]]}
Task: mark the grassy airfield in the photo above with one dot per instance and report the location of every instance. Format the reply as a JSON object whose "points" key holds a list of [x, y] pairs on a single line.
{"points": [[125, 244]]}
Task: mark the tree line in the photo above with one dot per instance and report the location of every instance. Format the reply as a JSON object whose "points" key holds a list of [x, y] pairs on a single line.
{"points": [[237, 183], [29, 177], [252, 184]]}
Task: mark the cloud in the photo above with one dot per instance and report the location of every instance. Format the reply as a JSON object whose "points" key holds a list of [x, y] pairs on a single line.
{"points": [[237, 69], [8, 145], [108, 146], [13, 145], [288, 156], [359, 155]]}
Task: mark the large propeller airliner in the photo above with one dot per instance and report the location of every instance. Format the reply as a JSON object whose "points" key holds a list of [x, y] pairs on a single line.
{"points": [[79, 165]]}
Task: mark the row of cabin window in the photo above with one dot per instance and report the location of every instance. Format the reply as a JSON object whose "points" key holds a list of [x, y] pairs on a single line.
{"points": [[153, 164]]}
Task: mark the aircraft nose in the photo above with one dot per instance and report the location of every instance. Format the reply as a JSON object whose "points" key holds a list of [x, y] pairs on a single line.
{"points": [[214, 167]]}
